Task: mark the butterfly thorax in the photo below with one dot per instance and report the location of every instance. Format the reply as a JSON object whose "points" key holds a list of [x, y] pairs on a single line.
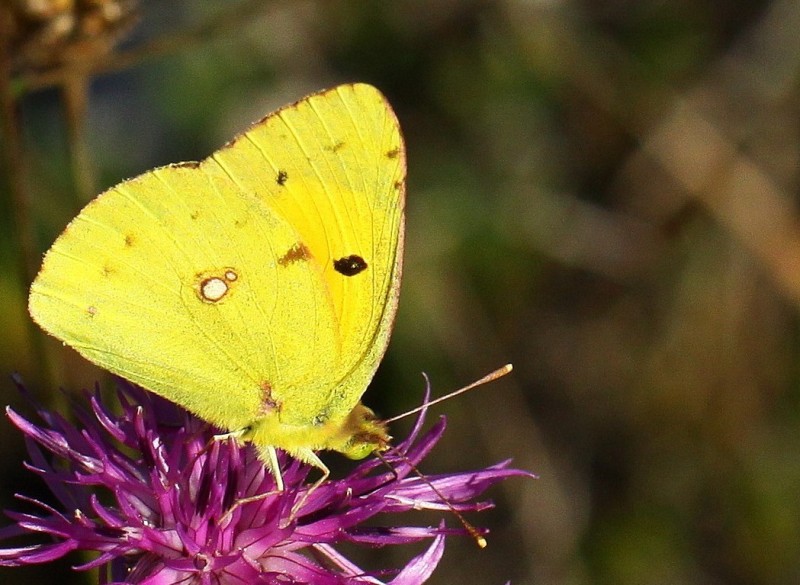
{"points": [[355, 436]]}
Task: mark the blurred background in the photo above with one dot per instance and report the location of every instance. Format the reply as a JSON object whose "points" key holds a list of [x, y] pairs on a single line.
{"points": [[602, 192]]}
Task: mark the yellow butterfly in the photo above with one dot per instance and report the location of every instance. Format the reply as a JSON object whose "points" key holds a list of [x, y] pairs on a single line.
{"points": [[256, 288]]}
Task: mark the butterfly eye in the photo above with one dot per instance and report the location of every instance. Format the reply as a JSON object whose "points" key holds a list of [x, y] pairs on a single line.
{"points": [[357, 450]]}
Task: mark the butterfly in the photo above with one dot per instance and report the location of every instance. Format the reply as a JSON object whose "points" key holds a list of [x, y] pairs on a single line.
{"points": [[256, 288]]}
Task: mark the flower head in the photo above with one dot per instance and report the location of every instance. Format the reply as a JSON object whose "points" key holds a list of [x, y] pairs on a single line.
{"points": [[162, 502]]}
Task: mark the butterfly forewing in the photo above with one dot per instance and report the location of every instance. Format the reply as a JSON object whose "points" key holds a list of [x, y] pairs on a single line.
{"points": [[335, 169]]}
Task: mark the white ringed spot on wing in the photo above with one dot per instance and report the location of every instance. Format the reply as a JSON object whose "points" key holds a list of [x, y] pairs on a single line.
{"points": [[212, 288]]}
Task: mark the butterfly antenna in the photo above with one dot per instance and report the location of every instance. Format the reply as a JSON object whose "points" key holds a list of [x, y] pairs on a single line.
{"points": [[498, 373], [471, 530]]}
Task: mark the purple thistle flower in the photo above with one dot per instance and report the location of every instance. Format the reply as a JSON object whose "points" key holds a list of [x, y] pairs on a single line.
{"points": [[164, 503]]}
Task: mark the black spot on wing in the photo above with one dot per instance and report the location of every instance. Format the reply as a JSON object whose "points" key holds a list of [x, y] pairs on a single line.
{"points": [[350, 265]]}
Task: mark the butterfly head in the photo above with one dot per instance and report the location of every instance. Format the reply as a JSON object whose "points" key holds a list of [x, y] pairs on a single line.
{"points": [[363, 434]]}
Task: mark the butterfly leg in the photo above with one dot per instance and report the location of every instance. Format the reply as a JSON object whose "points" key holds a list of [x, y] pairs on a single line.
{"points": [[269, 455], [308, 456]]}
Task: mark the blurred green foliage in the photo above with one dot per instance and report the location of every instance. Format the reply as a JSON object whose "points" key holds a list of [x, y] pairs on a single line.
{"points": [[603, 193]]}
